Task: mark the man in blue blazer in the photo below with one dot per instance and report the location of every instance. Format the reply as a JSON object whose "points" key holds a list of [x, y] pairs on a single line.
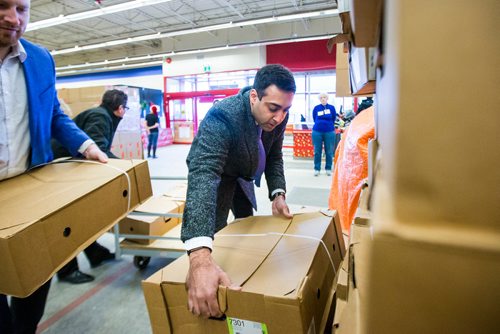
{"points": [[240, 138], [29, 117]]}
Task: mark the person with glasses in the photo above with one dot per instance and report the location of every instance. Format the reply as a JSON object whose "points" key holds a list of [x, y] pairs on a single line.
{"points": [[100, 125]]}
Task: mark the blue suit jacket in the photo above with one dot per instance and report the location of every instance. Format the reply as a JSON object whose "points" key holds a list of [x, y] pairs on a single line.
{"points": [[46, 120]]}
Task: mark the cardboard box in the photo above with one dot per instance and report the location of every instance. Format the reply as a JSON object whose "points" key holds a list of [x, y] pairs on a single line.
{"points": [[343, 85], [366, 20], [429, 277], [352, 286], [363, 214], [177, 192], [433, 283], [156, 224], [127, 145], [183, 132], [287, 282], [49, 214], [436, 176]]}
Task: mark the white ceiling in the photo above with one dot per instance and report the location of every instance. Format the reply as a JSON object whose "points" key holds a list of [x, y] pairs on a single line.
{"points": [[172, 19]]}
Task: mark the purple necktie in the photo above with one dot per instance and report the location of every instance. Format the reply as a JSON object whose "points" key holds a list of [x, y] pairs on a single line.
{"points": [[262, 159]]}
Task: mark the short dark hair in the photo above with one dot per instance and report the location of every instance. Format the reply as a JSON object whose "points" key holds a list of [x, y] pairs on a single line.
{"points": [[113, 99], [273, 74]]}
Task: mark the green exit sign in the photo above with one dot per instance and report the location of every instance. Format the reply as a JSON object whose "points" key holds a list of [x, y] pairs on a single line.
{"points": [[207, 68]]}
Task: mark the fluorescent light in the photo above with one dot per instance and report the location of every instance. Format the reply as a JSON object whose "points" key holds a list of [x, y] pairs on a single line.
{"points": [[73, 69], [62, 19], [196, 30]]}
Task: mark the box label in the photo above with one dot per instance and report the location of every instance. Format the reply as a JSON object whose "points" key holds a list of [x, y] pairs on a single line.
{"points": [[239, 326]]}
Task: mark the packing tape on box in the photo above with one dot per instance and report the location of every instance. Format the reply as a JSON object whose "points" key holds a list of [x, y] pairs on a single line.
{"points": [[285, 235]]}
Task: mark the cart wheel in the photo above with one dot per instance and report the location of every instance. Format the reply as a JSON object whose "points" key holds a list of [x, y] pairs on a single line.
{"points": [[141, 262]]}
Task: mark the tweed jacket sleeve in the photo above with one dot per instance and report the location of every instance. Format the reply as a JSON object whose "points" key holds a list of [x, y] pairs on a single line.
{"points": [[206, 161], [274, 172]]}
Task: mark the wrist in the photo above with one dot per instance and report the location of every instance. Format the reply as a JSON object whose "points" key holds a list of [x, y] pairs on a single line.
{"points": [[278, 194], [199, 250]]}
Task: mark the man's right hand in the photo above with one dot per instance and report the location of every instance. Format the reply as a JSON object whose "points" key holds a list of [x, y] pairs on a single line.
{"points": [[93, 152], [203, 280]]}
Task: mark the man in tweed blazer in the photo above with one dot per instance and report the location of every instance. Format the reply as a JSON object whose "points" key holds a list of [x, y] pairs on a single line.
{"points": [[223, 162]]}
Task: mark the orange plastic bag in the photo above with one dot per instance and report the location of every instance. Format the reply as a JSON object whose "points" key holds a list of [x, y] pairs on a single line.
{"points": [[351, 167]]}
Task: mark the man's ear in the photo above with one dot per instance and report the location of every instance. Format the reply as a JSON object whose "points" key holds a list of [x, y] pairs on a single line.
{"points": [[254, 97]]}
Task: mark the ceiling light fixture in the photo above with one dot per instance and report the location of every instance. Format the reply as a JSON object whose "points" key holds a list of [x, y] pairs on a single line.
{"points": [[62, 19], [322, 13], [84, 68]]}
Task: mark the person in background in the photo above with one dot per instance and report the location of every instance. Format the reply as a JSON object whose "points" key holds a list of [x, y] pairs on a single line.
{"points": [[240, 138], [100, 125], [323, 134], [152, 129], [30, 116]]}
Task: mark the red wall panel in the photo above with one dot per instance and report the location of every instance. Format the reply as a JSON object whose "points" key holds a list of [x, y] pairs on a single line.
{"points": [[301, 56]]}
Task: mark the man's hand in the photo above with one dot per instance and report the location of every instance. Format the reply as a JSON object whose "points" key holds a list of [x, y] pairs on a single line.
{"points": [[203, 280], [280, 208], [93, 152]]}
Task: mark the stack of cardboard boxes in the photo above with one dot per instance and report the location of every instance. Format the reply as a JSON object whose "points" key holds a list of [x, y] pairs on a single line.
{"points": [[432, 258], [127, 143], [154, 218]]}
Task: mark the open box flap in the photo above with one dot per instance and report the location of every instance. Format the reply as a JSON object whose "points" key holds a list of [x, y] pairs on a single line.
{"points": [[238, 256]]}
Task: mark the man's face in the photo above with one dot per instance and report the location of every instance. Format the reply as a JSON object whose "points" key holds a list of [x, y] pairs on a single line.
{"points": [[272, 109], [120, 112], [14, 17]]}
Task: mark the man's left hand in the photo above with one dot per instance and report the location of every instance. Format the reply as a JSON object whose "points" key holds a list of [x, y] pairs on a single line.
{"points": [[93, 152], [280, 208]]}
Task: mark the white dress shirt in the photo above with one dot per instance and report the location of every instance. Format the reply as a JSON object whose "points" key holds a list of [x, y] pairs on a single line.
{"points": [[14, 123], [15, 141]]}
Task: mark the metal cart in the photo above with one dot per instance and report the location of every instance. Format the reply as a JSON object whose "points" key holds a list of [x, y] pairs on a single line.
{"points": [[167, 245]]}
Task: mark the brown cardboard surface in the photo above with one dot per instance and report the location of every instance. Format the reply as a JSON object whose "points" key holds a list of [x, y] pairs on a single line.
{"points": [[174, 244], [286, 281], [343, 85], [51, 213], [154, 224], [436, 177], [363, 215], [183, 132], [127, 145], [429, 285], [366, 18], [178, 191]]}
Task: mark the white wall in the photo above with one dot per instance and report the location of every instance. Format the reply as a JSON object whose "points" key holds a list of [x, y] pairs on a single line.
{"points": [[149, 81], [219, 61]]}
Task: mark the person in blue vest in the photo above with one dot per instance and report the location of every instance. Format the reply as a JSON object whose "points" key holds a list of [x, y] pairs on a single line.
{"points": [[323, 134], [30, 116]]}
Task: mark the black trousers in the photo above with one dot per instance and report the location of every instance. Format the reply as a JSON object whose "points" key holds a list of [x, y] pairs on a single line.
{"points": [[24, 314], [241, 206], [94, 253]]}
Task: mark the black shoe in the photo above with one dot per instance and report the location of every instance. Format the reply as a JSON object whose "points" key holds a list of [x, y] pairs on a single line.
{"points": [[97, 261], [77, 277], [155, 157]]}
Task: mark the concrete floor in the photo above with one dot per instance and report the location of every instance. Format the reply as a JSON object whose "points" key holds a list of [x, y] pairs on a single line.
{"points": [[114, 302]]}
